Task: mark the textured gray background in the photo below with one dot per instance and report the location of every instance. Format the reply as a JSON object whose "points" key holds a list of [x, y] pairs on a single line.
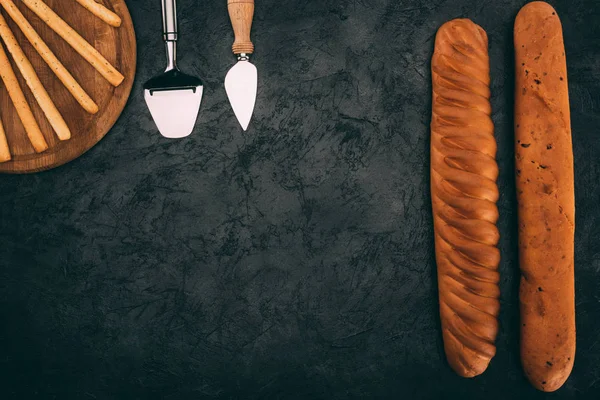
{"points": [[293, 261]]}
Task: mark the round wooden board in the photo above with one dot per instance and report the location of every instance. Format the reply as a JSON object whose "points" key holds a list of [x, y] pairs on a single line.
{"points": [[118, 45]]}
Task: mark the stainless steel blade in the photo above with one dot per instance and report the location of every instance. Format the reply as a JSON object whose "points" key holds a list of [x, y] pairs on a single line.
{"points": [[241, 84], [174, 111]]}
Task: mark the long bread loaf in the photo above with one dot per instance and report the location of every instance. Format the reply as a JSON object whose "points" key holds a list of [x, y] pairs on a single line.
{"points": [[545, 193], [464, 195]]}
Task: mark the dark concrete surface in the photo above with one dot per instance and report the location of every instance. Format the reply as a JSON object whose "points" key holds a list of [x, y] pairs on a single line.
{"points": [[294, 261]]}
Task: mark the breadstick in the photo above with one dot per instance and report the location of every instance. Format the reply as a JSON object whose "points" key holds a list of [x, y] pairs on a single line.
{"points": [[44, 51], [18, 98], [101, 12], [79, 44], [4, 150], [34, 83]]}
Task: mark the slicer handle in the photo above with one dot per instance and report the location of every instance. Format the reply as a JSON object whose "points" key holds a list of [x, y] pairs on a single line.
{"points": [[241, 13], [169, 14]]}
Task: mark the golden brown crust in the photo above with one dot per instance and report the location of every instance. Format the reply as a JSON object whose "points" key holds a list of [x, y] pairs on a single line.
{"points": [[464, 195], [545, 193], [4, 149]]}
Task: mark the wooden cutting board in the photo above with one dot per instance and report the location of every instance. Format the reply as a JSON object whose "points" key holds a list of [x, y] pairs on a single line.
{"points": [[118, 45]]}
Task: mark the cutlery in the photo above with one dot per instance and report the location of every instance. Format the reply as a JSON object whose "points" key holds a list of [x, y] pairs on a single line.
{"points": [[242, 79], [173, 97]]}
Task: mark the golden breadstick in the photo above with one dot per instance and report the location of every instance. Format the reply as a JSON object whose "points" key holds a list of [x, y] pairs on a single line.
{"points": [[79, 44], [101, 12], [34, 83], [4, 150], [44, 51], [18, 98]]}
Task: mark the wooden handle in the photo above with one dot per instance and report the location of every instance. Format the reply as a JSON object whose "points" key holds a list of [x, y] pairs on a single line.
{"points": [[241, 13]]}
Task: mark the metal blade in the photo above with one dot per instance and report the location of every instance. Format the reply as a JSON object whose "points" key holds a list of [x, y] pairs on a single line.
{"points": [[241, 85], [174, 111]]}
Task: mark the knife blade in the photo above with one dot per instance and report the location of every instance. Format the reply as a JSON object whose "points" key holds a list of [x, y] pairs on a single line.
{"points": [[241, 82]]}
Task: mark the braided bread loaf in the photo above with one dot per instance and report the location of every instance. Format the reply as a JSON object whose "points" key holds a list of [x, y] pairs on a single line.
{"points": [[464, 195]]}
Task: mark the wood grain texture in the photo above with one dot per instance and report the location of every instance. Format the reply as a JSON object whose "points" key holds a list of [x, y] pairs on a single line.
{"points": [[241, 13], [20, 104], [464, 195], [100, 11], [79, 44], [546, 198], [49, 57], [33, 81], [118, 45], [4, 150]]}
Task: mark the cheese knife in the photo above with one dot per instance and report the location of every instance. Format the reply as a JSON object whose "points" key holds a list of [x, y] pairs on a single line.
{"points": [[241, 81]]}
